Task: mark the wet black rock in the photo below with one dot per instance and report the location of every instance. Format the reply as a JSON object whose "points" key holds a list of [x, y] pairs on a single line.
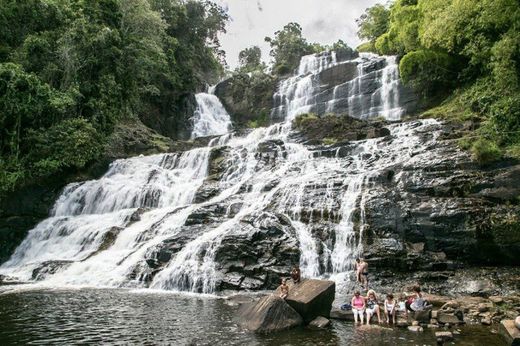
{"points": [[312, 298], [247, 97], [270, 314], [49, 268]]}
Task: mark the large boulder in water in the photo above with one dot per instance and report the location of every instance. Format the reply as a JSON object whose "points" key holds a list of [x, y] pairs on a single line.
{"points": [[269, 314], [510, 332], [312, 298]]}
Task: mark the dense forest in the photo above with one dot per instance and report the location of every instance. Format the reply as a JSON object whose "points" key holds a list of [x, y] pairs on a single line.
{"points": [[71, 70], [463, 53]]}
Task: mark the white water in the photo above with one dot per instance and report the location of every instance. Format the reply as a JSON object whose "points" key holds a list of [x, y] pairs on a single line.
{"points": [[210, 118], [303, 92], [165, 186]]}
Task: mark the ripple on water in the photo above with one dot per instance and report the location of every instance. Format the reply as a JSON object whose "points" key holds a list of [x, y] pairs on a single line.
{"points": [[91, 316]]}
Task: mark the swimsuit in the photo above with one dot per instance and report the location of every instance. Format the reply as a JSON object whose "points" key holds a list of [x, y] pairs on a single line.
{"points": [[371, 306], [358, 303], [389, 307]]}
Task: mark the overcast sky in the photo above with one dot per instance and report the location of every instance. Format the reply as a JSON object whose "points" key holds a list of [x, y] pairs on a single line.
{"points": [[323, 21]]}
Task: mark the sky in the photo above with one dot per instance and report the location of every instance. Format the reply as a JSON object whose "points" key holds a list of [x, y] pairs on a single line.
{"points": [[323, 21]]}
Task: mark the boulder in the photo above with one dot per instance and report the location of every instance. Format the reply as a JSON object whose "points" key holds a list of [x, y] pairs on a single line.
{"points": [[444, 336], [484, 307], [338, 314], [269, 314], [416, 329], [510, 332], [445, 318], [486, 321], [517, 322], [401, 322], [312, 298], [496, 299], [423, 316], [319, 322]]}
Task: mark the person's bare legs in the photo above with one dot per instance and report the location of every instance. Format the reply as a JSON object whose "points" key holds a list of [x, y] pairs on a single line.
{"points": [[361, 316], [378, 314]]}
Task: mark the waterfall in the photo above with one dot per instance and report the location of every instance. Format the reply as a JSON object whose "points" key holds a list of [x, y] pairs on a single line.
{"points": [[86, 212], [373, 91], [110, 232], [210, 117]]}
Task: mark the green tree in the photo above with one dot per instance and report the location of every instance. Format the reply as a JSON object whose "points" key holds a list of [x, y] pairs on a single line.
{"points": [[250, 59], [287, 47], [374, 22]]}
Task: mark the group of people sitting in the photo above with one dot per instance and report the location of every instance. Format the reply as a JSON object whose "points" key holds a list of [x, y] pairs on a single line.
{"points": [[369, 305]]}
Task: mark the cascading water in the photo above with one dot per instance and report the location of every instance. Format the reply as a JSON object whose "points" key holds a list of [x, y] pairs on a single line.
{"points": [[210, 118], [373, 90], [137, 226]]}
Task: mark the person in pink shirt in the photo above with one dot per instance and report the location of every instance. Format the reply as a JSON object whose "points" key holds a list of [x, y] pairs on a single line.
{"points": [[358, 306]]}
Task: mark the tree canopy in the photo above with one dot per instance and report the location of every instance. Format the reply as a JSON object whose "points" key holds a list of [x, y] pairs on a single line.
{"points": [[250, 59], [287, 47], [71, 69], [444, 44]]}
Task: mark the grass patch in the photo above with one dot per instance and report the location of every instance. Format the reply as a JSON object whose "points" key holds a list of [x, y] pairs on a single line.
{"points": [[454, 108], [485, 151], [329, 141], [261, 121]]}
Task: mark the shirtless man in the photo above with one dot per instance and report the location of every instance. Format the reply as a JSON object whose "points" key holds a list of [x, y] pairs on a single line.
{"points": [[362, 272], [296, 274]]}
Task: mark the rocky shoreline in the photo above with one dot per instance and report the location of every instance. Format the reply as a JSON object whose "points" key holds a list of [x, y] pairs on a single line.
{"points": [[269, 313]]}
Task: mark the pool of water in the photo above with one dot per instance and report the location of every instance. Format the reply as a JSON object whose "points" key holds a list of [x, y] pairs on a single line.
{"points": [[93, 316]]}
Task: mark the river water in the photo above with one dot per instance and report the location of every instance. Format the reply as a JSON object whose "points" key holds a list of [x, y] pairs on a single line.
{"points": [[115, 316]]}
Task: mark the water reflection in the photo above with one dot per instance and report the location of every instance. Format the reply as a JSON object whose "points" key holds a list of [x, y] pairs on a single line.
{"points": [[121, 317]]}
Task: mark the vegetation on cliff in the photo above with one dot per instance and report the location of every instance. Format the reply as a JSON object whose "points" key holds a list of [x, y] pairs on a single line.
{"points": [[466, 53], [71, 70]]}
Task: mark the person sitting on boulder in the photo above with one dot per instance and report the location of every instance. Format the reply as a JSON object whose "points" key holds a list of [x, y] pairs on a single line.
{"points": [[284, 289], [416, 302], [390, 308], [296, 274], [372, 306], [401, 305], [358, 306]]}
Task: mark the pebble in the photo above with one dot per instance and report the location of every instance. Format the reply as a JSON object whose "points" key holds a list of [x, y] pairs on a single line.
{"points": [[445, 336]]}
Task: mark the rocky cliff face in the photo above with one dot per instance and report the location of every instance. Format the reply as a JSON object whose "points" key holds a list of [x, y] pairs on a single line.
{"points": [[247, 97], [434, 212], [171, 119]]}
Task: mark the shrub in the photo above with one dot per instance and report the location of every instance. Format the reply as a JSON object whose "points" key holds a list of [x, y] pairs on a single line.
{"points": [[367, 47], [303, 119], [485, 151], [429, 72]]}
